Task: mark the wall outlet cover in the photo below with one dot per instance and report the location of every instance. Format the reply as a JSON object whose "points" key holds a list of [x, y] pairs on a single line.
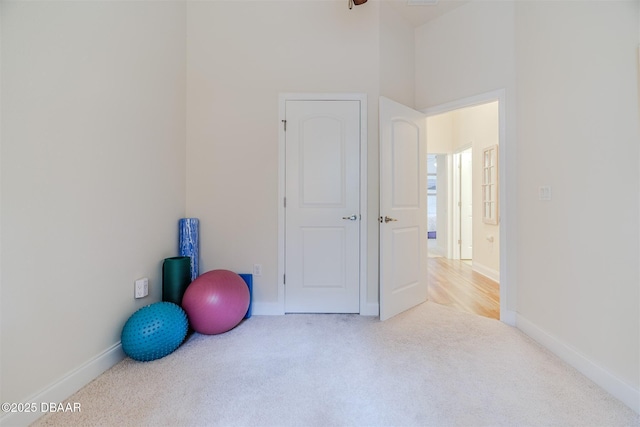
{"points": [[141, 288]]}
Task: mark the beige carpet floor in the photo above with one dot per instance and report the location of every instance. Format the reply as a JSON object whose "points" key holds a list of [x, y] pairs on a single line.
{"points": [[430, 366]]}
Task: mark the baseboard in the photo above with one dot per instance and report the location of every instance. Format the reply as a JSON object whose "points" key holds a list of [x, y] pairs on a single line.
{"points": [[276, 309], [508, 317], [267, 308], [622, 391], [66, 386], [486, 271], [370, 309]]}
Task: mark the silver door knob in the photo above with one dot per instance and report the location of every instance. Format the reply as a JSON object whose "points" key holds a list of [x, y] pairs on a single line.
{"points": [[351, 218], [389, 219]]}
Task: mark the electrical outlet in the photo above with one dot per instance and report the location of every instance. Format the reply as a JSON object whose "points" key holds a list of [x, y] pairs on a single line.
{"points": [[141, 288], [257, 269], [544, 192]]}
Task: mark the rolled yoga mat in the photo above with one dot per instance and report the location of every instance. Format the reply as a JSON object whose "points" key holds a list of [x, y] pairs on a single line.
{"points": [[176, 276], [189, 243]]}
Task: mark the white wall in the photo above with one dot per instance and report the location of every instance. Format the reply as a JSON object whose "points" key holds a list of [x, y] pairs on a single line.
{"points": [[468, 52], [576, 291], [578, 133], [93, 154], [397, 60], [241, 55], [396, 81], [574, 67], [478, 126], [93, 177], [94, 171], [440, 134]]}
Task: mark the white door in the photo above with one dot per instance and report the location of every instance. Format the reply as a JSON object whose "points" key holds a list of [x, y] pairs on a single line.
{"points": [[466, 205], [322, 213], [403, 208]]}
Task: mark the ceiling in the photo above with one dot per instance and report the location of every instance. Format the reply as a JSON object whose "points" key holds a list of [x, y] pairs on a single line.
{"points": [[423, 13]]}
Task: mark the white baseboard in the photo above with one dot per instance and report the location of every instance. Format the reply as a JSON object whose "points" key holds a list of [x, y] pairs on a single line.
{"points": [[276, 309], [486, 271], [267, 309], [370, 309], [66, 386], [622, 391], [508, 317]]}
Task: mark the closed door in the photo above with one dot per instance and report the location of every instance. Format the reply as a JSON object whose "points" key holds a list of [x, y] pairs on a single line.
{"points": [[322, 206], [403, 208]]}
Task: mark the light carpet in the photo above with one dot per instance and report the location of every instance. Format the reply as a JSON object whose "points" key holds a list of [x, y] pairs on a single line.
{"points": [[429, 366]]}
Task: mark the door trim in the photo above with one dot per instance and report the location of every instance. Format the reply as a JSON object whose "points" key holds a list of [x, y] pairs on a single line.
{"points": [[454, 208], [279, 308], [506, 316]]}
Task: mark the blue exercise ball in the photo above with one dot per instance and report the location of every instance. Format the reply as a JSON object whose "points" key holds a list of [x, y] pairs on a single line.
{"points": [[154, 331]]}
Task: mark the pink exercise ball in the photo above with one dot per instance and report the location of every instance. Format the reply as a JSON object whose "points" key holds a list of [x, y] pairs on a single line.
{"points": [[216, 301]]}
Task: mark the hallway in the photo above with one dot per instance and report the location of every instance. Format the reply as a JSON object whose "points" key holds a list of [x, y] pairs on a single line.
{"points": [[455, 284]]}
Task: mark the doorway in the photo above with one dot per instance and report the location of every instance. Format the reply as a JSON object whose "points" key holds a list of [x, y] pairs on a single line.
{"points": [[457, 134]]}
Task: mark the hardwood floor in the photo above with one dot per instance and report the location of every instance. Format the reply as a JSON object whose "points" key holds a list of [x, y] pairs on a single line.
{"points": [[454, 283]]}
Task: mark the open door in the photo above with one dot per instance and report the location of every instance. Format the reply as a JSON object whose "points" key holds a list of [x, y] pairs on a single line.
{"points": [[403, 208]]}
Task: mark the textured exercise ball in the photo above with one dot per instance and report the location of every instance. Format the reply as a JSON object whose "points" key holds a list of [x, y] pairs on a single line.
{"points": [[216, 301], [154, 331]]}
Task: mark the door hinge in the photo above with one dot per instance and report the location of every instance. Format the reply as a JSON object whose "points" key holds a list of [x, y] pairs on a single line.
{"points": [[284, 279], [285, 202], [459, 241], [284, 123]]}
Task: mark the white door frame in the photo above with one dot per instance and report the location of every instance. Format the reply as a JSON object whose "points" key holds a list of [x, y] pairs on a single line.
{"points": [[500, 96], [279, 308]]}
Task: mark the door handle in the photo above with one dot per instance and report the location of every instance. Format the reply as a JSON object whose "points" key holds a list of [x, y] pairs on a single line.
{"points": [[353, 217], [389, 219]]}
